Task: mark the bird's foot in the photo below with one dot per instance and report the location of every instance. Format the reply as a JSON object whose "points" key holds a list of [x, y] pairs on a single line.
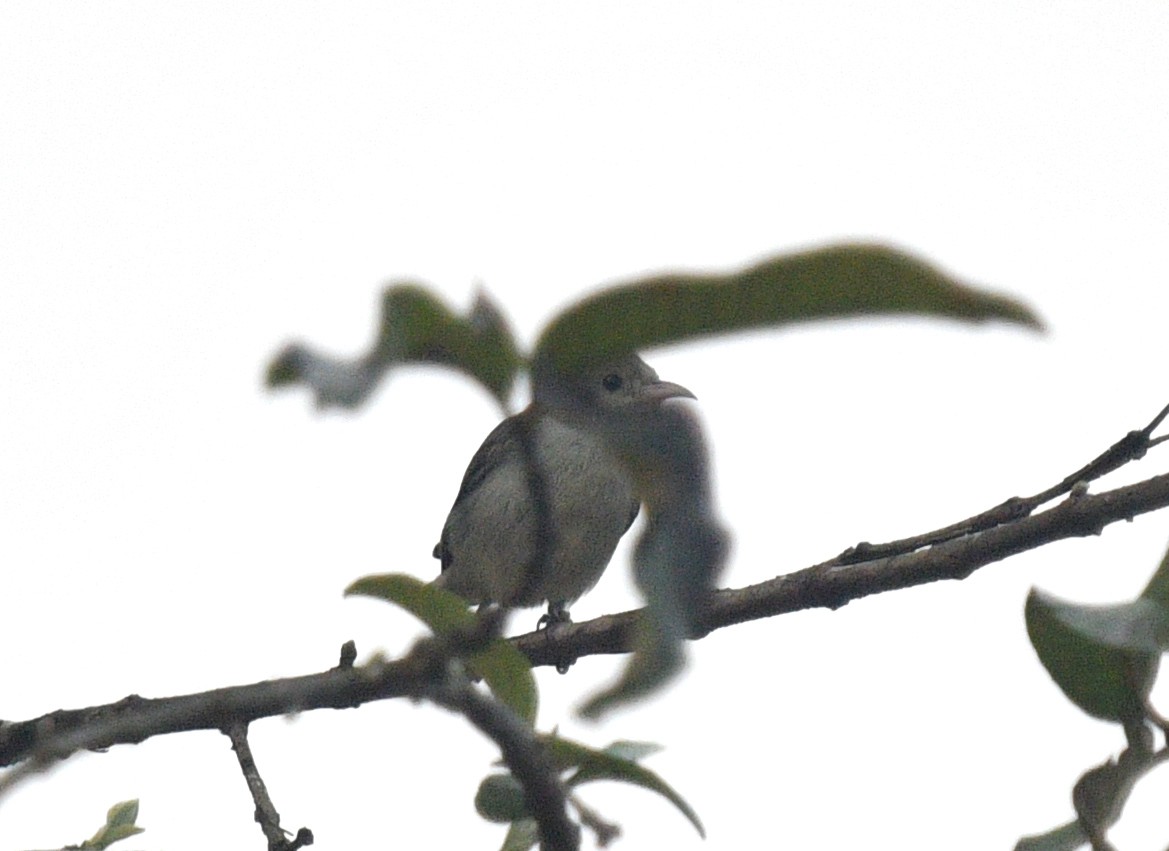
{"points": [[556, 615]]}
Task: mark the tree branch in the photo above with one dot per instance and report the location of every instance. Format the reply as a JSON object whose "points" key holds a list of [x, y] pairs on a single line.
{"points": [[1131, 447], [832, 584], [135, 719], [425, 672], [828, 585], [527, 758]]}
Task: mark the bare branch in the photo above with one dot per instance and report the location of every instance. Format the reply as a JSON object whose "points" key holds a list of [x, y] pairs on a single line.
{"points": [[832, 584], [605, 832], [1131, 447], [266, 815], [135, 719]]}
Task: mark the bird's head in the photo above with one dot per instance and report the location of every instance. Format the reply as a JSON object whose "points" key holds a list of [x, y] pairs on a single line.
{"points": [[628, 383]]}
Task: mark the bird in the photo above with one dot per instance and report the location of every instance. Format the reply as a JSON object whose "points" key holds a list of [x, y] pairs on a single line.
{"points": [[544, 500]]}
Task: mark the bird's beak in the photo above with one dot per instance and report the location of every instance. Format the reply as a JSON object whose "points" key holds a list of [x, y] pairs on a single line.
{"points": [[660, 391]]}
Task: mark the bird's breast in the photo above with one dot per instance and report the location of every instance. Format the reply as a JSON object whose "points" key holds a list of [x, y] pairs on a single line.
{"points": [[504, 530]]}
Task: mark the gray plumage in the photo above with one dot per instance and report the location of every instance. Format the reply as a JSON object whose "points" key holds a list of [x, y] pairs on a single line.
{"points": [[491, 540]]}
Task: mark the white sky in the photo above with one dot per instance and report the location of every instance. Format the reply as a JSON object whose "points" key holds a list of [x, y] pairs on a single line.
{"points": [[184, 187]]}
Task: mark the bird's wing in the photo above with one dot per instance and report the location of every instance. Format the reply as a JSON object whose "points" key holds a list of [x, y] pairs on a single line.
{"points": [[504, 440]]}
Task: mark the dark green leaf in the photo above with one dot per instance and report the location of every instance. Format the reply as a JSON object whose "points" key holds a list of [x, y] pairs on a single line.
{"points": [[832, 282], [522, 835], [657, 656], [593, 765], [1104, 658], [1067, 837], [1101, 793], [501, 799], [415, 327], [507, 672], [1141, 625], [1158, 587], [678, 554], [682, 547]]}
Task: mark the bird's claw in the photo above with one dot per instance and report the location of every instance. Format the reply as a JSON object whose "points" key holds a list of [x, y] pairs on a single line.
{"points": [[557, 614]]}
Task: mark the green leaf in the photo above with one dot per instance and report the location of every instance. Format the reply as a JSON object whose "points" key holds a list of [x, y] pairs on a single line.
{"points": [[633, 751], [119, 825], [501, 799], [1067, 837], [436, 607], [1100, 794], [1158, 587], [507, 671], [594, 765], [415, 327], [836, 281], [681, 549], [1104, 658], [107, 836], [683, 544], [522, 835], [657, 656], [122, 813]]}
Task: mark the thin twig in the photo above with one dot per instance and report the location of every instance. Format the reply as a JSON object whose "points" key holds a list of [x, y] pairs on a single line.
{"points": [[1131, 447], [348, 655], [18, 774], [266, 815], [605, 831]]}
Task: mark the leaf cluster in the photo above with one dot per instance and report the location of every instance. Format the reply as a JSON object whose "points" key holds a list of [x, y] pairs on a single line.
{"points": [[1105, 659]]}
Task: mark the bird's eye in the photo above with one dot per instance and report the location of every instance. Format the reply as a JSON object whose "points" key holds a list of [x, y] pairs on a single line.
{"points": [[612, 382]]}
